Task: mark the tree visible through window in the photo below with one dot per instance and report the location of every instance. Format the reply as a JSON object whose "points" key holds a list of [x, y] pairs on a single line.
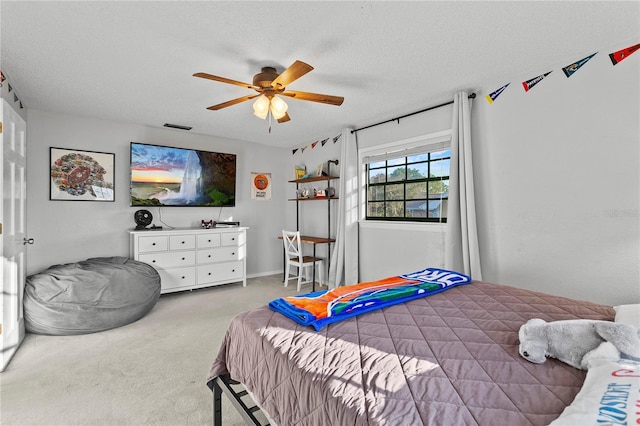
{"points": [[412, 188]]}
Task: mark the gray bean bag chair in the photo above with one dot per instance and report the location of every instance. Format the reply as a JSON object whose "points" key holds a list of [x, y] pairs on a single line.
{"points": [[89, 296]]}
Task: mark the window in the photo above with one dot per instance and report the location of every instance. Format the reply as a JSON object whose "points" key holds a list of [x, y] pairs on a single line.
{"points": [[414, 187]]}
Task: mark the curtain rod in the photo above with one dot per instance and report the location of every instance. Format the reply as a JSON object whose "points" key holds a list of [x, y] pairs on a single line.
{"points": [[471, 96]]}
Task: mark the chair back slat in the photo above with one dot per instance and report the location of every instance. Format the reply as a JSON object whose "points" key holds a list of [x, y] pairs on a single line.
{"points": [[292, 244]]}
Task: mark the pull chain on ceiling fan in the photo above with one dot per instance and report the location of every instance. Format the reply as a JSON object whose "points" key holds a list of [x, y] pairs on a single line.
{"points": [[268, 83]]}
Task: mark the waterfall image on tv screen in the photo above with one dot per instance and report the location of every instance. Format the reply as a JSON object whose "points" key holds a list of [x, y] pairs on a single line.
{"points": [[166, 176]]}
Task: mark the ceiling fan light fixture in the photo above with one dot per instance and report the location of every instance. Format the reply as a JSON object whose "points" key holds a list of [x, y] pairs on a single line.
{"points": [[268, 83], [278, 108], [261, 107]]}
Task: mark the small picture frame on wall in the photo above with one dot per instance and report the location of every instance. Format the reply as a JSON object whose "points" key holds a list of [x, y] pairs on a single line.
{"points": [[77, 175]]}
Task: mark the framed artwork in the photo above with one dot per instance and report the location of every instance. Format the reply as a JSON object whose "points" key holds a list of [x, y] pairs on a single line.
{"points": [[261, 186], [299, 171], [78, 175]]}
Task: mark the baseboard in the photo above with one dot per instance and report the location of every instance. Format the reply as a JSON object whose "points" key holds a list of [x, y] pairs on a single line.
{"points": [[264, 274]]}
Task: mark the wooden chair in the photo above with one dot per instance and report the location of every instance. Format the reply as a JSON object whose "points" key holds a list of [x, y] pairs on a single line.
{"points": [[294, 258]]}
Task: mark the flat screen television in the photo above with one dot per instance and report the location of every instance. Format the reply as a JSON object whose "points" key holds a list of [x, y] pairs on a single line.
{"points": [[167, 176]]}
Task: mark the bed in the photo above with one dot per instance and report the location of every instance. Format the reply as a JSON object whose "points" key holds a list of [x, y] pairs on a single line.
{"points": [[447, 359]]}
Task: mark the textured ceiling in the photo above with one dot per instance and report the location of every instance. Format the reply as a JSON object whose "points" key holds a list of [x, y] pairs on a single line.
{"points": [[134, 61]]}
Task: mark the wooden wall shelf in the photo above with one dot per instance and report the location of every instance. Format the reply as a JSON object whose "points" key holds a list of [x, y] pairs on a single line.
{"points": [[314, 179], [314, 199]]}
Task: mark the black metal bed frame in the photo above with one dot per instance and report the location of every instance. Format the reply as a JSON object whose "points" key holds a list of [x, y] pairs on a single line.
{"points": [[225, 384]]}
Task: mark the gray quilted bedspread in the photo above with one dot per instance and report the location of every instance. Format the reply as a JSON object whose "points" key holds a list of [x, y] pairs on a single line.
{"points": [[447, 359]]}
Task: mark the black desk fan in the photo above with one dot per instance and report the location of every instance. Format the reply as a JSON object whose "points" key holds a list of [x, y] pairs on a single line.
{"points": [[143, 219]]}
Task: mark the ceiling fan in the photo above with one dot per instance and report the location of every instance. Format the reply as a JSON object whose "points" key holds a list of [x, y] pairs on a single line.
{"points": [[268, 83]]}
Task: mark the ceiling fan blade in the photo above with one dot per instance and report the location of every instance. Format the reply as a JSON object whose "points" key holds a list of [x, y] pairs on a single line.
{"points": [[314, 97], [232, 102], [294, 72], [225, 80], [284, 119]]}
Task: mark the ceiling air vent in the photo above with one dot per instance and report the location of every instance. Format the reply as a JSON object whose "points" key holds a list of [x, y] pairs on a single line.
{"points": [[177, 126]]}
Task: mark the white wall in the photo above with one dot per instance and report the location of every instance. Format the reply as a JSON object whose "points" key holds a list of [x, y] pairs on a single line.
{"points": [[69, 231], [557, 185], [313, 215], [388, 249]]}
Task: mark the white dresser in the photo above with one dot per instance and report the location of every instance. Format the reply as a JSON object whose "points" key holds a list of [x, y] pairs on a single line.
{"points": [[192, 258]]}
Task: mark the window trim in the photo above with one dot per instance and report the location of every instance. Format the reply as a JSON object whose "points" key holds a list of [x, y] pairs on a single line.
{"points": [[405, 147]]}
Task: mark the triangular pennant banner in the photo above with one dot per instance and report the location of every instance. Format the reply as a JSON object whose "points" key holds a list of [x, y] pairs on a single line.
{"points": [[493, 95], [324, 141], [293, 152], [21, 105], [336, 138], [570, 69], [623, 54], [9, 87], [530, 83], [303, 148], [2, 77], [313, 145], [15, 98]]}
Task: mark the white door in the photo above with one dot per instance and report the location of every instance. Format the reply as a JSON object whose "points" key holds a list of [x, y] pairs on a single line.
{"points": [[13, 232]]}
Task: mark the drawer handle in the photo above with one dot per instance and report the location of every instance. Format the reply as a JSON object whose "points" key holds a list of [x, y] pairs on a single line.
{"points": [[208, 241], [183, 242], [209, 256], [209, 273], [183, 258], [233, 254], [183, 277], [233, 270], [233, 239], [153, 244], [153, 261]]}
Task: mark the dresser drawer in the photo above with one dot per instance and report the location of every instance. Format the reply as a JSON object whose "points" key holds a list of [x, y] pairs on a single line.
{"points": [[220, 272], [182, 242], [220, 254], [177, 277], [208, 240], [169, 259], [155, 243], [232, 239]]}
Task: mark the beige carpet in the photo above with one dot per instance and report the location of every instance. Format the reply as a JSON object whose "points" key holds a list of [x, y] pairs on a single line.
{"points": [[151, 372]]}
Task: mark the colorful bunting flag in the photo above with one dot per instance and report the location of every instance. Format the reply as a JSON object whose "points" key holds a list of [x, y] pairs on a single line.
{"points": [[623, 54], [493, 95], [530, 83], [570, 69], [15, 98], [9, 87], [313, 144]]}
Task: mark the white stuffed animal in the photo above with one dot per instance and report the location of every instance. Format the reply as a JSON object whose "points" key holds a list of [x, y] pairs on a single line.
{"points": [[575, 342]]}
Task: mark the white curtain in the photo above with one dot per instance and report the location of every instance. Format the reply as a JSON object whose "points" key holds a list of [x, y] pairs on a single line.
{"points": [[344, 259], [461, 245]]}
